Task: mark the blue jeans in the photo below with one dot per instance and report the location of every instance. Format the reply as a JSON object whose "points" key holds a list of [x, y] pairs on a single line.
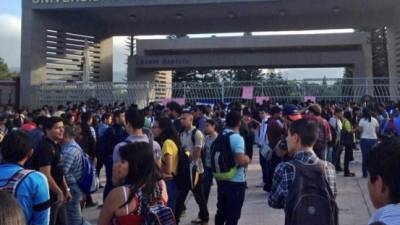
{"points": [[172, 191], [323, 154], [230, 201], [108, 163], [329, 155], [74, 213], [207, 182], [366, 146]]}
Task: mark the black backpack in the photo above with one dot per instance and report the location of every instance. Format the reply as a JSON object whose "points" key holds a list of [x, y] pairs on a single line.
{"points": [[186, 171], [222, 158], [310, 200]]}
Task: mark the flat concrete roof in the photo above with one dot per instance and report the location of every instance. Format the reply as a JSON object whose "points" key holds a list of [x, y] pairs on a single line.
{"points": [[140, 17]]}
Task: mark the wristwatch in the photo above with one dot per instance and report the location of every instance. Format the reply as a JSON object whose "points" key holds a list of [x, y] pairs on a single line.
{"points": [[68, 189]]}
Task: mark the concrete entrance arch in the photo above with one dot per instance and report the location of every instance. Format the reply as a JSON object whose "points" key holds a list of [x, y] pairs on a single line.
{"points": [[72, 39]]}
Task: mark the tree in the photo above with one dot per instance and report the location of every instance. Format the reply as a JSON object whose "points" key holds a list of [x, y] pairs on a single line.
{"points": [[379, 52], [4, 72]]}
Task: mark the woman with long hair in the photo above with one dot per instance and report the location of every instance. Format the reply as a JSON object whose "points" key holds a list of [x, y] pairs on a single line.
{"points": [[143, 181], [10, 211], [368, 128], [166, 135], [88, 144], [348, 140]]}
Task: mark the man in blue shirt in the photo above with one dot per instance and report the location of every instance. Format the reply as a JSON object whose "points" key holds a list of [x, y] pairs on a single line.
{"points": [[32, 190], [231, 193]]}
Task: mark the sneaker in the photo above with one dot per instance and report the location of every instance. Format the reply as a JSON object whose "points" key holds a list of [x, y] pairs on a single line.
{"points": [[349, 174], [91, 204], [199, 221]]}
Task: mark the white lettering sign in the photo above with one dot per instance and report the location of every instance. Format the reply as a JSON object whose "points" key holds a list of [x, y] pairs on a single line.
{"points": [[62, 1]]}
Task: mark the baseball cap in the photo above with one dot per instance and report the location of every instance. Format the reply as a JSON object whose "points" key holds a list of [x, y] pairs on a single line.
{"points": [[292, 112]]}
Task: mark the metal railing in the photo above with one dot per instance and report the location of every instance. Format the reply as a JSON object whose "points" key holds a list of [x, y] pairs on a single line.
{"points": [[142, 93]]}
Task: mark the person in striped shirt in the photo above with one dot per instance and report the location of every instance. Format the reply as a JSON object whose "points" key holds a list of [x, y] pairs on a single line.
{"points": [[72, 166]]}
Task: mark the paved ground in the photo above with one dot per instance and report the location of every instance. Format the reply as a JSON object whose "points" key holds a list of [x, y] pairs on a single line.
{"points": [[353, 200]]}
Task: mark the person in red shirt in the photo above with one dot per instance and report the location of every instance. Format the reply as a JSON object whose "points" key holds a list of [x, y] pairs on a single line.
{"points": [[321, 146]]}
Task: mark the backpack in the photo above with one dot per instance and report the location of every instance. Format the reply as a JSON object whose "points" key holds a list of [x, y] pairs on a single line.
{"points": [[310, 200], [222, 159], [14, 181], [390, 129], [155, 214], [322, 140], [335, 134], [89, 181], [186, 170]]}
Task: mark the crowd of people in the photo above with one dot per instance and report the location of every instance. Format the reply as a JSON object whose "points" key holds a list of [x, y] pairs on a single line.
{"points": [[153, 158]]}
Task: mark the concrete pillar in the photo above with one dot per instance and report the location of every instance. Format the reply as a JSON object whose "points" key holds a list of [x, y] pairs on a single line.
{"points": [[33, 55], [106, 59], [131, 68], [393, 47]]}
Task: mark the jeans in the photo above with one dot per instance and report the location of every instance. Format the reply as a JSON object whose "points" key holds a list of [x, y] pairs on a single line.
{"points": [[58, 215], [329, 154], [230, 201], [172, 191], [207, 182], [108, 163], [74, 211], [264, 169], [336, 156], [198, 196], [366, 146], [323, 154]]}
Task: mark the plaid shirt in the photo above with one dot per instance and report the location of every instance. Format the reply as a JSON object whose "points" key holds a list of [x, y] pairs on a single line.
{"points": [[284, 177], [72, 162]]}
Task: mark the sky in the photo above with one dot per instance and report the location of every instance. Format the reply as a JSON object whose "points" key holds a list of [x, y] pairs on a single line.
{"points": [[10, 46]]}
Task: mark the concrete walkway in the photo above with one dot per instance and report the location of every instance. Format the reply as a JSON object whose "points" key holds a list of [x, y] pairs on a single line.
{"points": [[353, 200]]}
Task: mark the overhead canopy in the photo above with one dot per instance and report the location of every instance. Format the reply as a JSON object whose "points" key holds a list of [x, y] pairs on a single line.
{"points": [[125, 17]]}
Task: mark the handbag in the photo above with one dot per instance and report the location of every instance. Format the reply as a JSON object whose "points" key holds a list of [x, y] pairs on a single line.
{"points": [[346, 138]]}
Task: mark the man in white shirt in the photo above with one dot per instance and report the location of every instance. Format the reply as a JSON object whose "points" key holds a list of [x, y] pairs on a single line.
{"points": [[384, 182], [263, 144]]}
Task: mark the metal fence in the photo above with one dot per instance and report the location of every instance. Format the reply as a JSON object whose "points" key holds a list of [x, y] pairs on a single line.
{"points": [[142, 93]]}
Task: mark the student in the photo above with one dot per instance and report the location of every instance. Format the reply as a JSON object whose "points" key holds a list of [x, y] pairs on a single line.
{"points": [[384, 182], [142, 177], [32, 193], [231, 192], [166, 135], [320, 179], [324, 131], [369, 128], [10, 211], [73, 168], [210, 131], [192, 141], [47, 159], [134, 127], [112, 136]]}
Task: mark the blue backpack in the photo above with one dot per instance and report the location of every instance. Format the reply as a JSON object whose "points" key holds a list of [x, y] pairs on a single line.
{"points": [[89, 181]]}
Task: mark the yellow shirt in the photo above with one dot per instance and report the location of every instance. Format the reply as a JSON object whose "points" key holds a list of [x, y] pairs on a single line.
{"points": [[169, 148]]}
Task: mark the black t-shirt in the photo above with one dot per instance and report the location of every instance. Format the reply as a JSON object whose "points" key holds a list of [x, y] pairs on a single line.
{"points": [[48, 153]]}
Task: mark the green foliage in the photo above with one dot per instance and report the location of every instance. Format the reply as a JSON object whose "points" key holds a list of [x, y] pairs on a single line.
{"points": [[4, 72], [192, 75]]}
